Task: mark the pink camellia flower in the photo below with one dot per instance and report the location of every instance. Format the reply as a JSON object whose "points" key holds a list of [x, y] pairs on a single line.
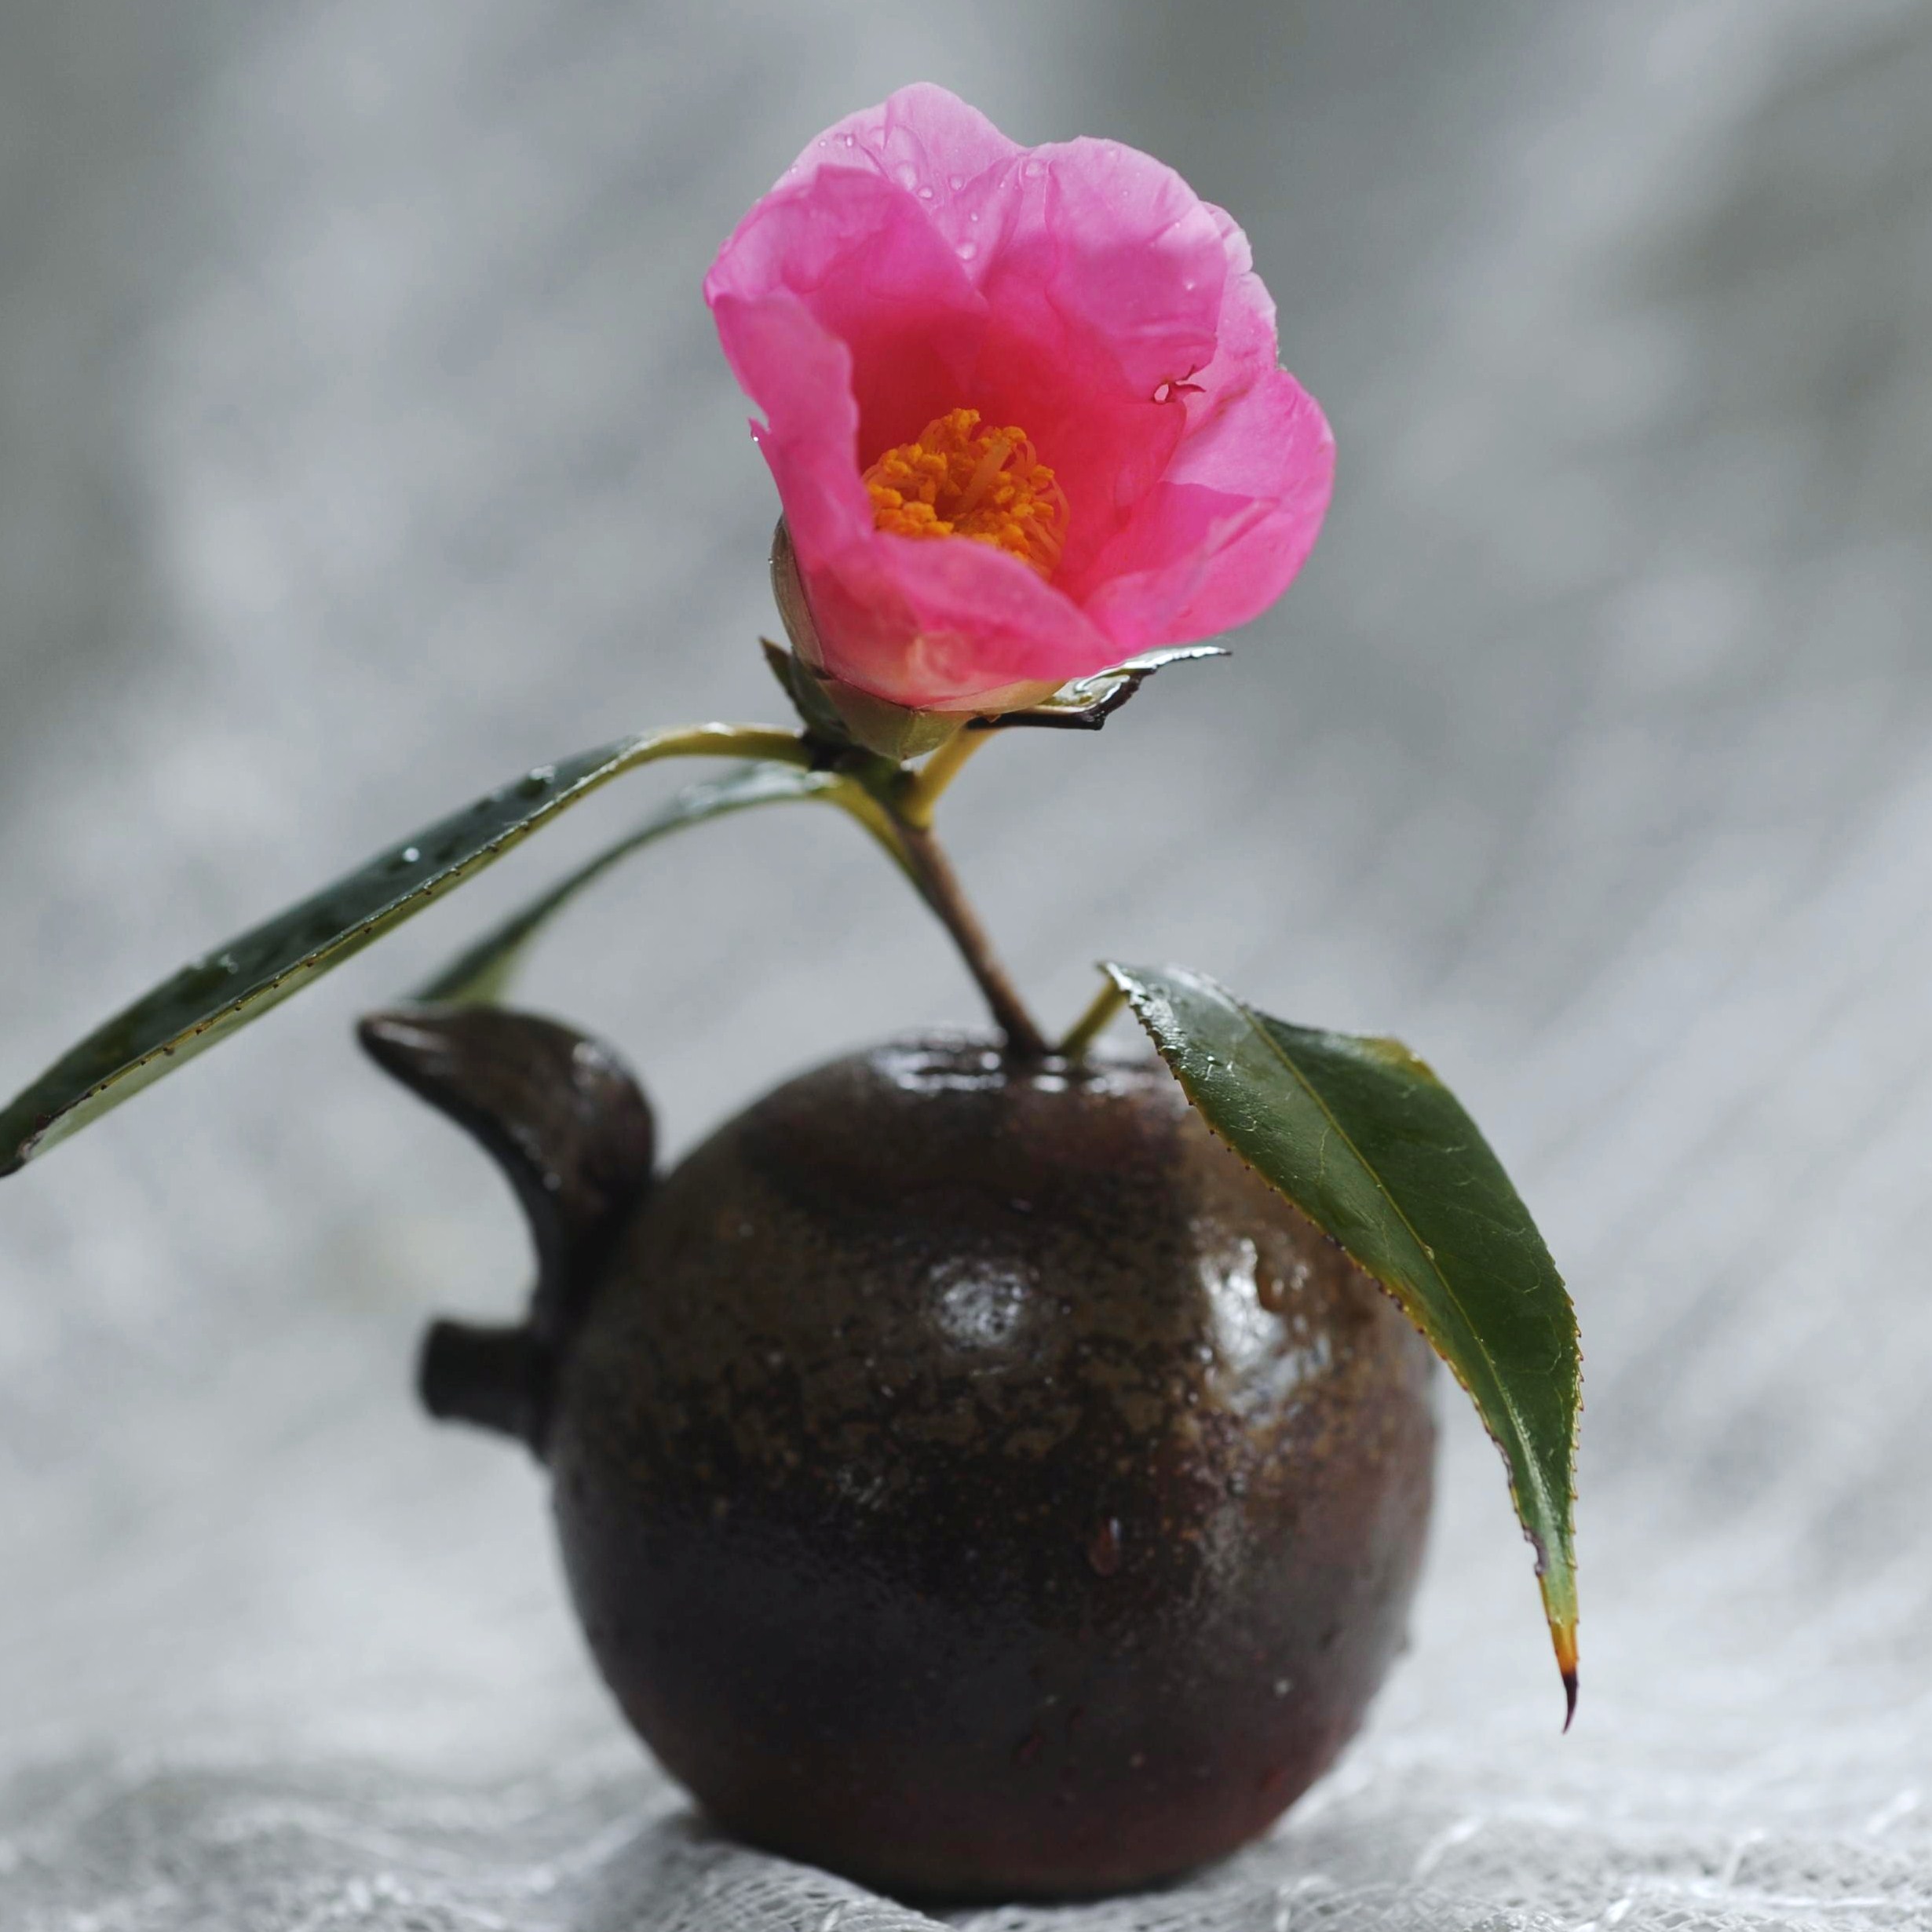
{"points": [[1022, 405]]}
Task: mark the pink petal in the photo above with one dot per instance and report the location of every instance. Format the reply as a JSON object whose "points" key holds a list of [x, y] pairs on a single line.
{"points": [[938, 624], [1103, 277], [927, 142], [866, 261], [1232, 523], [1244, 333], [802, 375]]}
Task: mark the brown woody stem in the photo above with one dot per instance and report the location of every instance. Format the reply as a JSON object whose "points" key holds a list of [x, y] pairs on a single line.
{"points": [[939, 886]]}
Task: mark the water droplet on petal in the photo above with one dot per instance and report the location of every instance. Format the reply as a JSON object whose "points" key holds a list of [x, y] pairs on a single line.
{"points": [[966, 250], [955, 182], [926, 194]]}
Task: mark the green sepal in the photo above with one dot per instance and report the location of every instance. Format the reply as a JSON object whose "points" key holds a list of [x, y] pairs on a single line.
{"points": [[806, 690], [892, 730]]}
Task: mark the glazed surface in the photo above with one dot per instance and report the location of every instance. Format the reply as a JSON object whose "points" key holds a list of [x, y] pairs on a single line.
{"points": [[977, 1480]]}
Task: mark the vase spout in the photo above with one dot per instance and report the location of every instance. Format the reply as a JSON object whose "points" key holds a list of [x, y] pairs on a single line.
{"points": [[491, 1378], [563, 1117]]}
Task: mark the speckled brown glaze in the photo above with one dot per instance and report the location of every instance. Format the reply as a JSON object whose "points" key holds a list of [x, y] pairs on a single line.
{"points": [[969, 1475], [971, 1478]]}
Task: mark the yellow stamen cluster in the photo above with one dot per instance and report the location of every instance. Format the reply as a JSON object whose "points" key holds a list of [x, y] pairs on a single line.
{"points": [[957, 479]]}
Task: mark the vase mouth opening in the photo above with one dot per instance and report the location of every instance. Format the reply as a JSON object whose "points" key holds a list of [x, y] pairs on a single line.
{"points": [[944, 1059]]}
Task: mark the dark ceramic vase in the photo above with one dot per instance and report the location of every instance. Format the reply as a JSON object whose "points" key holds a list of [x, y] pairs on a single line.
{"points": [[969, 1475]]}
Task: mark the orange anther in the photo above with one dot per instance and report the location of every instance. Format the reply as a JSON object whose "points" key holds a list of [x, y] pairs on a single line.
{"points": [[955, 479]]}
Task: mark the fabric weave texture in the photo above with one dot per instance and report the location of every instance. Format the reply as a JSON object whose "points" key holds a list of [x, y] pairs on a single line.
{"points": [[362, 440]]}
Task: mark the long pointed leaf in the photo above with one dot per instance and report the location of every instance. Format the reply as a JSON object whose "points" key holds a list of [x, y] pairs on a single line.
{"points": [[482, 972], [238, 982], [1363, 1137]]}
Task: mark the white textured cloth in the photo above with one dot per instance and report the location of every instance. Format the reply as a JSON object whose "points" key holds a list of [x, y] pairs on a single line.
{"points": [[361, 441]]}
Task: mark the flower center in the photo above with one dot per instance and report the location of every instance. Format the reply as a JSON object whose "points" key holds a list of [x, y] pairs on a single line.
{"points": [[956, 480]]}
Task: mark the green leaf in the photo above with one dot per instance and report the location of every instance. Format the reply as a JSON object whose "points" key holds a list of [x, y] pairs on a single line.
{"points": [[1363, 1137], [205, 1001], [1087, 703], [1084, 693], [482, 973]]}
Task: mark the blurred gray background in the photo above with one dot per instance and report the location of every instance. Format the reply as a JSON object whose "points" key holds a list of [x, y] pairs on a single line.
{"points": [[363, 440]]}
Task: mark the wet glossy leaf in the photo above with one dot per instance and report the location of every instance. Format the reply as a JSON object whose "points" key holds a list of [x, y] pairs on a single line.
{"points": [[1084, 691], [482, 972], [240, 981], [1088, 702], [1363, 1137]]}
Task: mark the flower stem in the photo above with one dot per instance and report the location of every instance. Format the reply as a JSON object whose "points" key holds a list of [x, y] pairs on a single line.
{"points": [[1092, 1023], [921, 790], [938, 883]]}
